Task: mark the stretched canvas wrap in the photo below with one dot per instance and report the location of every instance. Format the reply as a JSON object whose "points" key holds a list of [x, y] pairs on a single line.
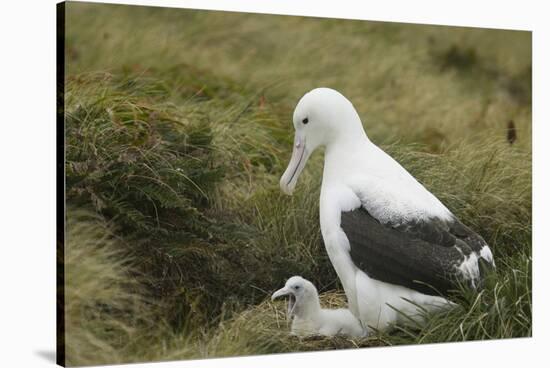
{"points": [[240, 184]]}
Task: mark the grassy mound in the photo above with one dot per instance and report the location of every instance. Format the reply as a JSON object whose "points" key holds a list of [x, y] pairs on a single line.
{"points": [[105, 313], [177, 231]]}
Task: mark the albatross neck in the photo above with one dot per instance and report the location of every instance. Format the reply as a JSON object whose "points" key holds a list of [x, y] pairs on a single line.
{"points": [[343, 147], [309, 309]]}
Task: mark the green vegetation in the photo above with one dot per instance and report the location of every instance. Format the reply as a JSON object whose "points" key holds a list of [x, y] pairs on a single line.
{"points": [[178, 127]]}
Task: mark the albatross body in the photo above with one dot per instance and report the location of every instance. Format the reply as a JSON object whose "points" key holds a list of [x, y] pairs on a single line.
{"points": [[308, 318], [393, 244]]}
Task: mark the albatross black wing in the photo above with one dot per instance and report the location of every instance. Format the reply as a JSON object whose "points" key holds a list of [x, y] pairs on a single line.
{"points": [[427, 256]]}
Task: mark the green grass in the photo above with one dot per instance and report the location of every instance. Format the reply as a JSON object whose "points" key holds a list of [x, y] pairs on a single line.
{"points": [[178, 127]]}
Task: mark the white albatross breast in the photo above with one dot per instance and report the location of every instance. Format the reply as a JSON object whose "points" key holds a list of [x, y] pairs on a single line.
{"points": [[390, 240]]}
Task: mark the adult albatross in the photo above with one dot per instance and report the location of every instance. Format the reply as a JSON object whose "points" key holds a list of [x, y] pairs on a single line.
{"points": [[393, 244]]}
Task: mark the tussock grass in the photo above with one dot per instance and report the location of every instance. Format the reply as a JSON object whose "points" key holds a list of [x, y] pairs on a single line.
{"points": [[104, 309], [400, 77], [178, 129]]}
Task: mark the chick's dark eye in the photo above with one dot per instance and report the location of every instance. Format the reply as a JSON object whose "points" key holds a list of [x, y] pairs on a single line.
{"points": [[305, 121], [296, 287]]}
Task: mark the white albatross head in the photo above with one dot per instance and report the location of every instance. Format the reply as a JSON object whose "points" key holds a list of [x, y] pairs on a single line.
{"points": [[322, 117], [303, 296]]}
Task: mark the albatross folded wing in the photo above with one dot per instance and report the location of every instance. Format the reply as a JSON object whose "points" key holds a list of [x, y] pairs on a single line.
{"points": [[429, 256]]}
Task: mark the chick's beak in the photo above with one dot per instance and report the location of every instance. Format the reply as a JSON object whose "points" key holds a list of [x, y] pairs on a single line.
{"points": [[279, 293]]}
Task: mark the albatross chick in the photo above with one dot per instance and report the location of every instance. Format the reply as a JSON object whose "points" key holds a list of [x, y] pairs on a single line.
{"points": [[308, 318]]}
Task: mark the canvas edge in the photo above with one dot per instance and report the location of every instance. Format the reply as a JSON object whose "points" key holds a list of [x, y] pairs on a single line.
{"points": [[60, 183]]}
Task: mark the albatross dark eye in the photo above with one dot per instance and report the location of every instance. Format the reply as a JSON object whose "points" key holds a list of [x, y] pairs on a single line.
{"points": [[305, 121], [296, 287]]}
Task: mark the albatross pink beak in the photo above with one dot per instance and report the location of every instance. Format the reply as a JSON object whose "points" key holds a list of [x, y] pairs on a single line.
{"points": [[297, 163]]}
